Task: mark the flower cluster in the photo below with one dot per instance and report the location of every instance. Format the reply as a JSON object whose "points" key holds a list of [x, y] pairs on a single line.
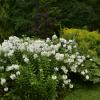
{"points": [[14, 72], [58, 52]]}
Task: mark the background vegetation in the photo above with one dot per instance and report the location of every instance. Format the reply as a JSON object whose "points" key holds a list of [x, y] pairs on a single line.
{"points": [[44, 17]]}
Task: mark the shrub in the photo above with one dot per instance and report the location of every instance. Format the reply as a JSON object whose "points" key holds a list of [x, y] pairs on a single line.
{"points": [[87, 41], [41, 69]]}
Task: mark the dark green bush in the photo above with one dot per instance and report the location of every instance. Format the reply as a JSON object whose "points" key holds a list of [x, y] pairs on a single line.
{"points": [[43, 17]]}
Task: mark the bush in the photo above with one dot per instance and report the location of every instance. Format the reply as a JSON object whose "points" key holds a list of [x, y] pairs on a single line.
{"points": [[41, 69], [87, 41]]}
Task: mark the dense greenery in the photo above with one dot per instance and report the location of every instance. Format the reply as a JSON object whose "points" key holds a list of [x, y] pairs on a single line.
{"points": [[44, 17], [88, 41]]}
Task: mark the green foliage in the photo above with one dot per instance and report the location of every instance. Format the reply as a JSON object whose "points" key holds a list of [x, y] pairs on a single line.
{"points": [[42, 69], [89, 42], [43, 17]]}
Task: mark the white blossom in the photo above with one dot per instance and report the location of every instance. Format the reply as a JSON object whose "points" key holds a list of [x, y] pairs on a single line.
{"points": [[91, 59], [83, 72], [63, 68], [71, 86], [64, 77], [69, 80], [59, 56], [6, 89], [66, 82], [69, 47], [87, 77], [3, 81], [56, 68], [13, 76], [54, 77], [26, 60], [73, 56], [18, 73], [35, 56], [16, 67], [86, 71], [54, 37], [48, 40]]}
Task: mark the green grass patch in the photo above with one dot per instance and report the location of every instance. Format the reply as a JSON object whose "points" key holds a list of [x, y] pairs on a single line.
{"points": [[85, 93]]}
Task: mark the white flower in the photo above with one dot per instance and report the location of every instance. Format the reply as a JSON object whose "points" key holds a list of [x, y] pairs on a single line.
{"points": [[53, 52], [65, 41], [56, 69], [70, 60], [77, 53], [83, 57], [24, 56], [6, 89], [9, 68], [69, 80], [13, 76], [65, 71], [45, 53], [75, 66], [83, 72], [54, 37], [71, 86], [18, 73], [26, 60], [64, 77], [82, 65], [91, 59], [88, 56], [71, 40], [41, 70], [62, 39], [65, 61], [74, 46], [64, 45], [54, 77], [80, 60], [63, 68], [35, 56], [69, 47], [48, 40], [59, 56], [79, 57], [11, 52], [16, 67], [87, 77], [72, 56], [86, 71], [3, 81], [66, 82], [73, 69], [63, 85], [12, 67]]}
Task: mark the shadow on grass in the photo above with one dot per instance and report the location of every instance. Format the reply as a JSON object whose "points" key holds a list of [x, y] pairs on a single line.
{"points": [[83, 91]]}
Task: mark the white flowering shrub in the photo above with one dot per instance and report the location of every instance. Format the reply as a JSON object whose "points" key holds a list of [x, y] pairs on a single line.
{"points": [[34, 68]]}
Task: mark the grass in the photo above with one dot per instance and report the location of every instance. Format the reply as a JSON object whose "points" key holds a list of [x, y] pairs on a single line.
{"points": [[91, 92]]}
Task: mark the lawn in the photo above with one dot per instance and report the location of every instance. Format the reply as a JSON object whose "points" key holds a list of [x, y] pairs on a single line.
{"points": [[85, 93]]}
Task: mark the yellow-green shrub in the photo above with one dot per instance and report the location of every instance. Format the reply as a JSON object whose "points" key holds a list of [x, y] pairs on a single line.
{"points": [[88, 41]]}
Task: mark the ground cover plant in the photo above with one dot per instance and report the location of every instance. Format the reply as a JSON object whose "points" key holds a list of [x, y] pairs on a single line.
{"points": [[42, 69]]}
